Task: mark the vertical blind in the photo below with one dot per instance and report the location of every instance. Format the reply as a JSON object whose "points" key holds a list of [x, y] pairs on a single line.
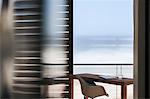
{"points": [[57, 47], [43, 49]]}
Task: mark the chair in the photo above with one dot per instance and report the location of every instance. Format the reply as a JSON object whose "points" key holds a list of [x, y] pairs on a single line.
{"points": [[90, 89]]}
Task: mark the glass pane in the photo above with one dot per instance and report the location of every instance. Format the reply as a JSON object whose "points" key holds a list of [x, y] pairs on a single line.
{"points": [[103, 34], [0, 6], [113, 70], [103, 31]]}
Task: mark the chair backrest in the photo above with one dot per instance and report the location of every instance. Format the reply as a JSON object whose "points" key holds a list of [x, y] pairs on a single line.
{"points": [[85, 89], [82, 81]]}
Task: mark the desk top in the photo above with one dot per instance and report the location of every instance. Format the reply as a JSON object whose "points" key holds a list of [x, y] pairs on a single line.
{"points": [[98, 78]]}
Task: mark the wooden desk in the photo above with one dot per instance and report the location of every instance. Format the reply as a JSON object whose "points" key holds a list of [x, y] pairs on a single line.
{"points": [[116, 81]]}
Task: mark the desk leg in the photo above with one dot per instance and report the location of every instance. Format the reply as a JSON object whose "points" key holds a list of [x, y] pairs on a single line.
{"points": [[72, 89], [123, 91]]}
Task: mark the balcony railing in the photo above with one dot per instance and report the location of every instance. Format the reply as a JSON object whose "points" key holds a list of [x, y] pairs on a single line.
{"points": [[123, 64]]}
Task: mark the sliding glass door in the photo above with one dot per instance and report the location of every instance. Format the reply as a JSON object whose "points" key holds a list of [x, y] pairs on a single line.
{"points": [[103, 42]]}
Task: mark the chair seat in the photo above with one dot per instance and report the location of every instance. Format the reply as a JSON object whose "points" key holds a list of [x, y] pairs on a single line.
{"points": [[95, 91]]}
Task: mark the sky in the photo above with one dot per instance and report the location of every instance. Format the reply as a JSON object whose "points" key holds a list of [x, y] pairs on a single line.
{"points": [[94, 19], [103, 17]]}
